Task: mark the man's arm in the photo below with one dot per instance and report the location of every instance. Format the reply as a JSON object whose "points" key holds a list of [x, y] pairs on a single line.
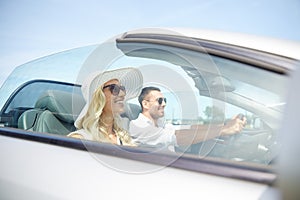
{"points": [[200, 133]]}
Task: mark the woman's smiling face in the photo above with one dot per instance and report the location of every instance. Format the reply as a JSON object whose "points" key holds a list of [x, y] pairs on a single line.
{"points": [[114, 103]]}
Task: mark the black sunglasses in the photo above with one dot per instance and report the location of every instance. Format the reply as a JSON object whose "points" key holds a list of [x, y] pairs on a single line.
{"points": [[160, 100], [115, 89]]}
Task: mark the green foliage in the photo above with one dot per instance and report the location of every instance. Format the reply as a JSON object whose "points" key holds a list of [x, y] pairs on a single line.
{"points": [[214, 113]]}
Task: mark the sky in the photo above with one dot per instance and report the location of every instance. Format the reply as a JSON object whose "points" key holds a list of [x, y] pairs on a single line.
{"points": [[31, 29]]}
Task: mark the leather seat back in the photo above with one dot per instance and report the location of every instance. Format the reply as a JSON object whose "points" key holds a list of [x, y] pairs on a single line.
{"points": [[54, 112]]}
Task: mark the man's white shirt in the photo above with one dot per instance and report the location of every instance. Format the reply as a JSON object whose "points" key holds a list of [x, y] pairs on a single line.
{"points": [[144, 132]]}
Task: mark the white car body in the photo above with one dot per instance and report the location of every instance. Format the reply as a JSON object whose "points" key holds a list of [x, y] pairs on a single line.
{"points": [[37, 168]]}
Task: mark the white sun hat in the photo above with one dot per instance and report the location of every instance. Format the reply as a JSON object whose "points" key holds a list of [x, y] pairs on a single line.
{"points": [[130, 77]]}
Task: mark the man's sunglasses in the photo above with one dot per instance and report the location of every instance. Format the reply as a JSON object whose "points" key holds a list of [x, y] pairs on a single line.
{"points": [[160, 100], [115, 89]]}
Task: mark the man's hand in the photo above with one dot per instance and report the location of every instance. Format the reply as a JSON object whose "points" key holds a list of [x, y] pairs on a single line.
{"points": [[234, 126]]}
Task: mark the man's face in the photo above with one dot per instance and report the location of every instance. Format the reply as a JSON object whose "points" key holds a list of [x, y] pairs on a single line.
{"points": [[155, 109]]}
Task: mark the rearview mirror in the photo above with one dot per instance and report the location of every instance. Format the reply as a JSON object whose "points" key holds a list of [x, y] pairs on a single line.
{"points": [[213, 84]]}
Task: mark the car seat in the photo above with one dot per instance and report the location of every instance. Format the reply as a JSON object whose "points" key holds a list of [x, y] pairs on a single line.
{"points": [[131, 111], [54, 112]]}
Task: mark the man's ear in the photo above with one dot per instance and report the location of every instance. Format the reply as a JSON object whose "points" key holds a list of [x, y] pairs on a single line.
{"points": [[145, 104]]}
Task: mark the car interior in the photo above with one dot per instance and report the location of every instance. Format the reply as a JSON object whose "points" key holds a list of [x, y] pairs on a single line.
{"points": [[54, 106], [54, 110], [52, 113]]}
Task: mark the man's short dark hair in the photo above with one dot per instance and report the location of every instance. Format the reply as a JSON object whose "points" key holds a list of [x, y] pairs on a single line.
{"points": [[145, 92]]}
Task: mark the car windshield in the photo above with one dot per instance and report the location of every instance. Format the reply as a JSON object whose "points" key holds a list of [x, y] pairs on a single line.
{"points": [[62, 66], [206, 89], [200, 89]]}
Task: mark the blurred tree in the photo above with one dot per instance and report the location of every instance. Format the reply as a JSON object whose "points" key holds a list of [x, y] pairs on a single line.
{"points": [[214, 113]]}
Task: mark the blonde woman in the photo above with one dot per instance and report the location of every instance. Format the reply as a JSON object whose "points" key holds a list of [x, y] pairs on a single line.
{"points": [[105, 96]]}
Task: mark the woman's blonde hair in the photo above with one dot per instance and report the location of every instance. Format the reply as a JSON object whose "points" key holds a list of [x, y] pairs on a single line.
{"points": [[93, 124]]}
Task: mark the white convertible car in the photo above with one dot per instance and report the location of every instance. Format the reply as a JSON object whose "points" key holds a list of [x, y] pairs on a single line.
{"points": [[207, 77]]}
